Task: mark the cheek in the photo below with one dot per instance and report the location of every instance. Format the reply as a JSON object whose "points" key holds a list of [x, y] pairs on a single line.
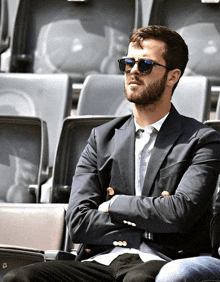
{"points": [[126, 83]]}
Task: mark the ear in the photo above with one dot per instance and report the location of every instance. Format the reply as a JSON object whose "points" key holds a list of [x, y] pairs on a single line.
{"points": [[173, 76]]}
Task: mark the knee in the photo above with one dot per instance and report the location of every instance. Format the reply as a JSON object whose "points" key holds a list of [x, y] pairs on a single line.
{"points": [[190, 269], [132, 276], [15, 276], [172, 271]]}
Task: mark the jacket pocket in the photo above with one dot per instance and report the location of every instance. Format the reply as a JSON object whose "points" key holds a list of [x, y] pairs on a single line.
{"points": [[170, 177], [178, 168]]}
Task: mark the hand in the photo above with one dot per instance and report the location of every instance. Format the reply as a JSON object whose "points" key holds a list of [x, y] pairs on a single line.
{"points": [[165, 194], [104, 207], [110, 191]]}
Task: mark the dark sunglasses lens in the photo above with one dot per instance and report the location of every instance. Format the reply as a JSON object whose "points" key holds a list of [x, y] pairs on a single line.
{"points": [[125, 65], [145, 66]]}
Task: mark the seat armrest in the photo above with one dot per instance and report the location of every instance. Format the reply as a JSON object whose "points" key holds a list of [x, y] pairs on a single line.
{"points": [[58, 255]]}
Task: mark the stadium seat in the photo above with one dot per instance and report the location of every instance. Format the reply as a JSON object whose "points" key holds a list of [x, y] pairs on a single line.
{"points": [[23, 159], [73, 139], [199, 24], [104, 95], [192, 97], [72, 37], [32, 233], [45, 96]]}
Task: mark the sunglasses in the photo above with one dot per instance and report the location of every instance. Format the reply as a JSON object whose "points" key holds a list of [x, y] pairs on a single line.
{"points": [[144, 66]]}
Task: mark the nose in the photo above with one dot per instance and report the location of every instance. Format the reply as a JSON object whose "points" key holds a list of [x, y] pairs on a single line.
{"points": [[135, 69]]}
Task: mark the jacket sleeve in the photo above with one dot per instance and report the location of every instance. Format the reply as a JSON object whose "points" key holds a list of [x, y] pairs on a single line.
{"points": [[191, 198], [85, 223]]}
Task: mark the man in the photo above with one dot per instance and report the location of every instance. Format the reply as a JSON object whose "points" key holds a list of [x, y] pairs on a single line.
{"points": [[160, 167]]}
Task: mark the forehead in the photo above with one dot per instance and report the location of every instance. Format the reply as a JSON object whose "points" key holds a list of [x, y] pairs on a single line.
{"points": [[150, 48]]}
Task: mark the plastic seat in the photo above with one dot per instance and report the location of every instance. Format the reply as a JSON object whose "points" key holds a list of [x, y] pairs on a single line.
{"points": [[23, 159], [62, 36], [73, 139], [30, 234], [104, 95], [45, 96], [199, 25], [192, 97]]}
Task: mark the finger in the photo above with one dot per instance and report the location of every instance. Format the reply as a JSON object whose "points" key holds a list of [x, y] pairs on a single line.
{"points": [[110, 191], [165, 194]]}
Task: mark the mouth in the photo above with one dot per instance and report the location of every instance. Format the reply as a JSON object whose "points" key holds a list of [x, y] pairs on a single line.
{"points": [[134, 82]]}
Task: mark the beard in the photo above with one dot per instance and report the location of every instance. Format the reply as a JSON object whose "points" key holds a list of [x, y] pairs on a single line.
{"points": [[151, 95]]}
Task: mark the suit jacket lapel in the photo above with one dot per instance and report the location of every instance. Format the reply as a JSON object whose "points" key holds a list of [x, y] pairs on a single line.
{"points": [[125, 142], [168, 134]]}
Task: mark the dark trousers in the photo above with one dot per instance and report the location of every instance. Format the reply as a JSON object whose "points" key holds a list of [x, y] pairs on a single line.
{"points": [[126, 268]]}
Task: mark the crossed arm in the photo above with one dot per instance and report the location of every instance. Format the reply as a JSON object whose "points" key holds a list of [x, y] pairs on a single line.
{"points": [[104, 207]]}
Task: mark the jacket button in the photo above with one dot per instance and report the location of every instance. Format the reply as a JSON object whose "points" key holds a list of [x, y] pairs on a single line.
{"points": [[120, 243]]}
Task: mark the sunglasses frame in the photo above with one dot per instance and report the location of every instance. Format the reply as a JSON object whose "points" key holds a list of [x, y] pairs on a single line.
{"points": [[151, 64]]}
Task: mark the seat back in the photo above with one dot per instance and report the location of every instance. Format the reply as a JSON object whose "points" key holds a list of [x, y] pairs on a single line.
{"points": [[27, 231], [28, 226], [192, 97], [199, 25], [104, 95], [63, 36], [73, 139], [45, 96], [23, 158]]}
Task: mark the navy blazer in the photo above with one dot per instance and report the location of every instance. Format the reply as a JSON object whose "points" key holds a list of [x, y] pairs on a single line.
{"points": [[185, 162]]}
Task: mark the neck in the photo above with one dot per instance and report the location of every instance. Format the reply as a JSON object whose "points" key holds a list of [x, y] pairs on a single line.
{"points": [[146, 115]]}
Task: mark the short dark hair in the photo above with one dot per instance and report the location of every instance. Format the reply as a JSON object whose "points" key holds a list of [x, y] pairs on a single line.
{"points": [[176, 53]]}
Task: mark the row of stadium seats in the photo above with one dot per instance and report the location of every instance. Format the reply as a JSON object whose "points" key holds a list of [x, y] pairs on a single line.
{"points": [[79, 38], [44, 101]]}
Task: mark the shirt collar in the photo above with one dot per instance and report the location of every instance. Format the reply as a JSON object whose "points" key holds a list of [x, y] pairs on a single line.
{"points": [[157, 125]]}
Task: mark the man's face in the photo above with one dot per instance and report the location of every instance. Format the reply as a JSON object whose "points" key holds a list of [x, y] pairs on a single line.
{"points": [[146, 89]]}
